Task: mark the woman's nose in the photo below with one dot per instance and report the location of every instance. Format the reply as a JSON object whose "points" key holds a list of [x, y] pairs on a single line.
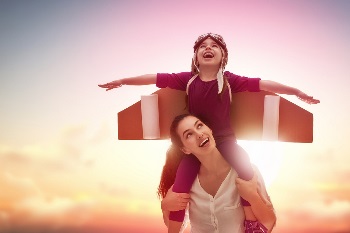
{"points": [[199, 134]]}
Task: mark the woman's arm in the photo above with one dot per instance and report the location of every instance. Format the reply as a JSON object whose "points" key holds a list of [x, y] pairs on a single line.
{"points": [[261, 206], [173, 202], [271, 86], [166, 217], [173, 226], [137, 80]]}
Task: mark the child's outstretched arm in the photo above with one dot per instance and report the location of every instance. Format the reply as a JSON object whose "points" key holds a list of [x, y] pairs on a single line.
{"points": [[145, 79], [275, 87]]}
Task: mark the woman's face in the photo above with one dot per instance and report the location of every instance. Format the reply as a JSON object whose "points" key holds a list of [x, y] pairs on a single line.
{"points": [[197, 138], [209, 53]]}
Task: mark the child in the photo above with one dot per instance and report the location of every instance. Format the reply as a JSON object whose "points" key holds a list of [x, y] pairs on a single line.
{"points": [[209, 91]]}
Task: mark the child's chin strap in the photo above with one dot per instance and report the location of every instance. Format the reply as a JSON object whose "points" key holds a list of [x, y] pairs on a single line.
{"points": [[220, 79], [220, 74], [189, 83]]}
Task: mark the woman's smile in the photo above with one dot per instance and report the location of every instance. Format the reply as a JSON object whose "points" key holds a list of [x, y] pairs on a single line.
{"points": [[204, 142]]}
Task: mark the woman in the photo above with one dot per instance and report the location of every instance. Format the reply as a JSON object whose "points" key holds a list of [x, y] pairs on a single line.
{"points": [[214, 197]]}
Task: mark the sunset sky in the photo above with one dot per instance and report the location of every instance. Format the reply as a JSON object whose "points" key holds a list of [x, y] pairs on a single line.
{"points": [[62, 167]]}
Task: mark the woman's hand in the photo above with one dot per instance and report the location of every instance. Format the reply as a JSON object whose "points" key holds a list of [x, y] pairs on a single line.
{"points": [[111, 85], [175, 201], [248, 189]]}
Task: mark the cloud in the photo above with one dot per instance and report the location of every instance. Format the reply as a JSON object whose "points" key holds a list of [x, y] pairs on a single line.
{"points": [[24, 204], [315, 213], [114, 190], [4, 221], [76, 138], [75, 146], [57, 210], [327, 209], [23, 186]]}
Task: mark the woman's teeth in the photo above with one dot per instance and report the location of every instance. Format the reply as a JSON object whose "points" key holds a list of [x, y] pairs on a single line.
{"points": [[204, 142]]}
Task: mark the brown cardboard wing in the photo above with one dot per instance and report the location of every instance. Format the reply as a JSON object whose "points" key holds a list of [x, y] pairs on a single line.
{"points": [[247, 112]]}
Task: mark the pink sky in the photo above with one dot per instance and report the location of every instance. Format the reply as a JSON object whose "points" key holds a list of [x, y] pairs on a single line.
{"points": [[62, 168]]}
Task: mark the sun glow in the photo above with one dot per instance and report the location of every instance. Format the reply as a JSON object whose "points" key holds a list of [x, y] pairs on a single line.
{"points": [[267, 156]]}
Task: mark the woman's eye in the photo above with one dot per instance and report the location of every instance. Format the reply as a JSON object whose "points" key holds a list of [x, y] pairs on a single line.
{"points": [[188, 135], [215, 46], [200, 126]]}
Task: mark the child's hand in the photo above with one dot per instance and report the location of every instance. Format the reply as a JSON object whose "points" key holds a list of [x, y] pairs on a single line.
{"points": [[175, 201], [111, 85], [306, 98]]}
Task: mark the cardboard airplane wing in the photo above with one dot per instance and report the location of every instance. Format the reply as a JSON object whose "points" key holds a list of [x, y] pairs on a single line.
{"points": [[254, 116]]}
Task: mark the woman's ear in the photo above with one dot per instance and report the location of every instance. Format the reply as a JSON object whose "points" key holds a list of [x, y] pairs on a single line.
{"points": [[185, 150]]}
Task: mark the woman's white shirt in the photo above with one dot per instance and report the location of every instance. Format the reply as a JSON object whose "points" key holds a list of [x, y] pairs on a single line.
{"points": [[222, 213]]}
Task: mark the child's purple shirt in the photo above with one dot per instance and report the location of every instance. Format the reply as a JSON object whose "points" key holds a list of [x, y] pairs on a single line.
{"points": [[204, 101]]}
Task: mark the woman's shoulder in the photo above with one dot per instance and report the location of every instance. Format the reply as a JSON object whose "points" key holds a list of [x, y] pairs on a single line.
{"points": [[233, 174]]}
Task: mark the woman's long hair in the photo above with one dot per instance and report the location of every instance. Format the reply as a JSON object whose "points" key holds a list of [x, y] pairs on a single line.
{"points": [[174, 156]]}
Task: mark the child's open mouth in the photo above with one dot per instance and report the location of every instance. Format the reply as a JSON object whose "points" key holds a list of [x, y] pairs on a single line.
{"points": [[208, 55]]}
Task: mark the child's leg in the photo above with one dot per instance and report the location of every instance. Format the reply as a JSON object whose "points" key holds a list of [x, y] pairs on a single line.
{"points": [[185, 176], [238, 158]]}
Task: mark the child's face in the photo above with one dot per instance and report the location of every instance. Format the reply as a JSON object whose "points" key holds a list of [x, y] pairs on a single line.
{"points": [[196, 137], [209, 53]]}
